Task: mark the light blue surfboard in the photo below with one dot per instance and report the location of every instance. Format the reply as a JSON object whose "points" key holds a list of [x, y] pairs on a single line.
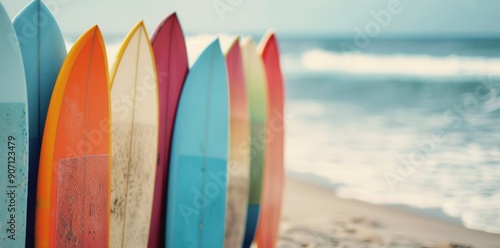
{"points": [[43, 50], [196, 204], [13, 138]]}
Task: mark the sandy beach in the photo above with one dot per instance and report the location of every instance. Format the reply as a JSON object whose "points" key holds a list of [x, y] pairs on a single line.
{"points": [[315, 217]]}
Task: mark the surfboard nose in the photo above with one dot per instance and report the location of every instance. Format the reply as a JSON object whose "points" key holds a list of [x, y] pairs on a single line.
{"points": [[140, 24], [172, 18], [96, 30], [214, 45]]}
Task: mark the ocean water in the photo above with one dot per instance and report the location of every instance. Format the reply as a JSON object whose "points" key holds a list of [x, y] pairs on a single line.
{"points": [[400, 122], [413, 123]]}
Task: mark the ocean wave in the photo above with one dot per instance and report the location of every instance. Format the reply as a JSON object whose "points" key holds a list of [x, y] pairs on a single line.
{"points": [[397, 65], [354, 151]]}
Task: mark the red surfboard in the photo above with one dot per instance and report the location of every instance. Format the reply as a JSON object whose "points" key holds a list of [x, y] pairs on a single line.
{"points": [[169, 48], [274, 173]]}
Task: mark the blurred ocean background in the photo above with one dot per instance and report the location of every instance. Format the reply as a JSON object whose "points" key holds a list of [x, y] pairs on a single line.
{"points": [[413, 123]]}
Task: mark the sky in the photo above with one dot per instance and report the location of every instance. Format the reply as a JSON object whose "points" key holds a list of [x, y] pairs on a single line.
{"points": [[288, 17]]}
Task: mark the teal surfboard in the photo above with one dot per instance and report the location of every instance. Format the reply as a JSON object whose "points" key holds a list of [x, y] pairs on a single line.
{"points": [[196, 204], [13, 138], [43, 50]]}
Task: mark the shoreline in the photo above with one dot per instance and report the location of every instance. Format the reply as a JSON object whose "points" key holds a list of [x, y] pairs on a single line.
{"points": [[314, 215], [434, 213]]}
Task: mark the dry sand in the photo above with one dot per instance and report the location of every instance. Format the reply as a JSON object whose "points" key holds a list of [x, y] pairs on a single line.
{"points": [[315, 217]]}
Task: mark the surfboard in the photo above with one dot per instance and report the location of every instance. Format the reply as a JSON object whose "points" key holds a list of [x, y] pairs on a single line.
{"points": [[43, 49], [75, 163], [14, 138], [134, 108], [196, 204], [257, 97], [170, 53], [274, 171], [239, 148]]}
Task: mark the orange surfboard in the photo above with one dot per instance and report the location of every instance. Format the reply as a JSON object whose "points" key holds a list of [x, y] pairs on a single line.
{"points": [[72, 205], [274, 172]]}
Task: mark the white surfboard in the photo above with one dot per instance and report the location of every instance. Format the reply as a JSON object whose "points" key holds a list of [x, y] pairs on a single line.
{"points": [[134, 107]]}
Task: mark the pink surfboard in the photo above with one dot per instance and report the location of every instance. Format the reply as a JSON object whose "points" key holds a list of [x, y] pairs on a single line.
{"points": [[169, 48], [239, 149], [274, 172]]}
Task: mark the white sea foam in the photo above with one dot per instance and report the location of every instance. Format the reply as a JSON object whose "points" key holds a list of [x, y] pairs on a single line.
{"points": [[320, 61], [355, 150]]}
